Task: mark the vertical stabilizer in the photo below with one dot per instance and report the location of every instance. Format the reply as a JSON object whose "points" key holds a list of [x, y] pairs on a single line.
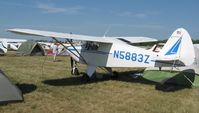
{"points": [[178, 47], [3, 46]]}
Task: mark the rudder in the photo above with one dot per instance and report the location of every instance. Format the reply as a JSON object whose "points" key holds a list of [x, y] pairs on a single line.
{"points": [[179, 47]]}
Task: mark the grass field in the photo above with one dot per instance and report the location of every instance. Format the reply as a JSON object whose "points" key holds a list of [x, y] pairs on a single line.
{"points": [[56, 91]]}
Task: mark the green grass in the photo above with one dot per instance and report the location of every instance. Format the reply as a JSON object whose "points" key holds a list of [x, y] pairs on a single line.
{"points": [[56, 91]]}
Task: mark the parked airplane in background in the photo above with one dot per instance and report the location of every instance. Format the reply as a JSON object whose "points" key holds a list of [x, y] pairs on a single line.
{"points": [[108, 52], [6, 43], [48, 46]]}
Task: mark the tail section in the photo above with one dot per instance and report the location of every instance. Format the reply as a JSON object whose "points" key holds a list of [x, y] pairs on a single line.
{"points": [[179, 47], [3, 46]]}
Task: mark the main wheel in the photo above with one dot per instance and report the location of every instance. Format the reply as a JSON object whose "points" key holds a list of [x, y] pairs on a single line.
{"points": [[75, 71], [115, 75]]}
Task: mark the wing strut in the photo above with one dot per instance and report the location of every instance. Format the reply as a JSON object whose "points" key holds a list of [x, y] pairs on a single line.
{"points": [[70, 50]]}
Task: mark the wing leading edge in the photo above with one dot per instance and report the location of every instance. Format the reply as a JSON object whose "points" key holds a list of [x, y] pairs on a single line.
{"points": [[81, 37]]}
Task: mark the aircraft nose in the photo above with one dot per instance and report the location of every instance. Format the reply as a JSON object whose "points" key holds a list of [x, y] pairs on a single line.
{"points": [[70, 48], [74, 52], [74, 48]]}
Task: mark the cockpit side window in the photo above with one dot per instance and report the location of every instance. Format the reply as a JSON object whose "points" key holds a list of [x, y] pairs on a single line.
{"points": [[91, 46]]}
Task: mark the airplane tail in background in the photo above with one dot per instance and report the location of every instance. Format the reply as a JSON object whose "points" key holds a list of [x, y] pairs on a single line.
{"points": [[3, 46], [179, 47]]}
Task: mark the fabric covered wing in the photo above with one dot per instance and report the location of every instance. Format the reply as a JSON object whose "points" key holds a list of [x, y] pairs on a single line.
{"points": [[82, 37], [133, 40], [59, 35]]}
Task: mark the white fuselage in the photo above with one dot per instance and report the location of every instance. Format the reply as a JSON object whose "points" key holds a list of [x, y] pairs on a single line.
{"points": [[114, 55]]}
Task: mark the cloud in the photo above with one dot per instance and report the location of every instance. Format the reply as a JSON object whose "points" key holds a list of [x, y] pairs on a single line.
{"points": [[127, 13], [51, 8], [139, 26], [131, 14], [15, 4], [140, 15]]}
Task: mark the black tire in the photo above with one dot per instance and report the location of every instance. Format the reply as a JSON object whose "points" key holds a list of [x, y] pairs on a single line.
{"points": [[115, 75], [85, 78], [76, 72]]}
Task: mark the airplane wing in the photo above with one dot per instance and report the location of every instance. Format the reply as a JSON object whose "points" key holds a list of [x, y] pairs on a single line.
{"points": [[59, 35], [81, 37], [9, 40], [134, 40]]}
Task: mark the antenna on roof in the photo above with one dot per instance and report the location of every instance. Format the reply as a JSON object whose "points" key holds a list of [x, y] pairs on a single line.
{"points": [[70, 37], [107, 30]]}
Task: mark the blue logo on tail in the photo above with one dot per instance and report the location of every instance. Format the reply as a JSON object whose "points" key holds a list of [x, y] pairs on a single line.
{"points": [[174, 48]]}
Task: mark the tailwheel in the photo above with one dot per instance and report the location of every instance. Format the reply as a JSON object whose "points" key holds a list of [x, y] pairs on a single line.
{"points": [[75, 71]]}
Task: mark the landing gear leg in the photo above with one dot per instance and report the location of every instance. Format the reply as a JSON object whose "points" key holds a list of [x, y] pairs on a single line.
{"points": [[89, 72], [74, 69]]}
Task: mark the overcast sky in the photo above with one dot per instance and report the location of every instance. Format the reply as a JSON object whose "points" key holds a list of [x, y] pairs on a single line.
{"points": [[151, 18]]}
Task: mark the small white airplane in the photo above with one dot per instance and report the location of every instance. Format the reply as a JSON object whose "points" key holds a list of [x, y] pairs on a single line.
{"points": [[108, 52], [49, 46], [13, 44]]}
